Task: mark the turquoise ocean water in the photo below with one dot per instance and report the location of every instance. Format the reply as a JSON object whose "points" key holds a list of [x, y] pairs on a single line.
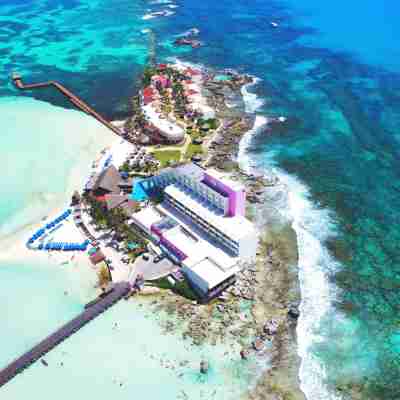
{"points": [[333, 69]]}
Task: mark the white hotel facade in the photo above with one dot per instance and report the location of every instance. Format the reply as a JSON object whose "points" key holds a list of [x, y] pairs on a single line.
{"points": [[201, 223]]}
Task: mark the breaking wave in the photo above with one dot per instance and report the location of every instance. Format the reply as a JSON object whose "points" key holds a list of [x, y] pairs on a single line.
{"points": [[312, 226]]}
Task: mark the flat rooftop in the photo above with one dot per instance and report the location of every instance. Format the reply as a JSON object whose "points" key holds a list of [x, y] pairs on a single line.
{"points": [[148, 216], [191, 170], [234, 227], [183, 239], [209, 271], [225, 178], [196, 247]]}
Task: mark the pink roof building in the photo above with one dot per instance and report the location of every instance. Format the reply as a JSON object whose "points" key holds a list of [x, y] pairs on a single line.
{"points": [[148, 95], [161, 79]]}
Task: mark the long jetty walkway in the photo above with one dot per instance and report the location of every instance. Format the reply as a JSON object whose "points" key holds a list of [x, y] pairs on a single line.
{"points": [[119, 290], [17, 79]]}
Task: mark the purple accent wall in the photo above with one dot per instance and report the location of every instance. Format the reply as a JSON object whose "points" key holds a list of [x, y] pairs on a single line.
{"points": [[178, 253], [155, 230], [237, 199], [170, 246]]}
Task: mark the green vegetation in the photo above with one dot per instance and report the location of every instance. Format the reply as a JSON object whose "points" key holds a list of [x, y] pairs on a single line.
{"points": [[181, 288], [192, 150], [167, 157], [147, 74], [184, 290], [103, 276], [211, 123], [125, 167], [113, 219]]}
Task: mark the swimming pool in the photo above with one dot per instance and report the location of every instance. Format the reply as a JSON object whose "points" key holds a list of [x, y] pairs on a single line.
{"points": [[222, 77], [138, 191]]}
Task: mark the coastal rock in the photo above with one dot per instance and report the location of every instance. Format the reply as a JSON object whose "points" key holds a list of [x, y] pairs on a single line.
{"points": [[258, 345], [244, 354], [294, 312], [271, 327], [204, 367]]}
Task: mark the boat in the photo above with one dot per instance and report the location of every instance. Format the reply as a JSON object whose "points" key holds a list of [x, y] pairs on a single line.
{"points": [[187, 42], [158, 13], [274, 24], [193, 32]]}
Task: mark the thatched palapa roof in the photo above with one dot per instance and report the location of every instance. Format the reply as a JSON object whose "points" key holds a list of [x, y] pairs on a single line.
{"points": [[108, 180]]}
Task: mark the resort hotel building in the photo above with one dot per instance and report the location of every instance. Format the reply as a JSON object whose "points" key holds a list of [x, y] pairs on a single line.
{"points": [[201, 225]]}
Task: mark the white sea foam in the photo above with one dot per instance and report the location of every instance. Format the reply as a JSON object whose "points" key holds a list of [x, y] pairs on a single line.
{"points": [[252, 104], [184, 64], [251, 100], [149, 16], [160, 2], [157, 14], [312, 225], [244, 159]]}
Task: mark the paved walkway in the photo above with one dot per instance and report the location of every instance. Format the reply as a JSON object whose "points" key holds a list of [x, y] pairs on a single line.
{"points": [[151, 270]]}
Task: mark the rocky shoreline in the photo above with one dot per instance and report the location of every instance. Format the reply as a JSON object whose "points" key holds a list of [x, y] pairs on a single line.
{"points": [[260, 311], [272, 284]]}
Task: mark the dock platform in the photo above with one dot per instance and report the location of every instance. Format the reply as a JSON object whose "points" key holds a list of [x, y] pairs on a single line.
{"points": [[75, 100], [119, 291]]}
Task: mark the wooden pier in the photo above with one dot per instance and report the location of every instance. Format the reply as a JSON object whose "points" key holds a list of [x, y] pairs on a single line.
{"points": [[76, 101], [119, 291]]}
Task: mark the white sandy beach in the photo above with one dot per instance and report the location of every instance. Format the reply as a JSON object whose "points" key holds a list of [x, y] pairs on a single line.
{"points": [[14, 244]]}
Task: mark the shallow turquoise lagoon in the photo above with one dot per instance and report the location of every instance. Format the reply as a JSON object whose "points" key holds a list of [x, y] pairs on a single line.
{"points": [[124, 352], [48, 152], [222, 78]]}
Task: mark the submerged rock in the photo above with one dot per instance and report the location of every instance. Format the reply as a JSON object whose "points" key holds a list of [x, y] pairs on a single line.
{"points": [[204, 367], [258, 345], [244, 354], [271, 327], [294, 312]]}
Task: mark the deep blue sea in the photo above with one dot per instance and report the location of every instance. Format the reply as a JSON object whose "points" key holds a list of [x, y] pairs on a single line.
{"points": [[332, 68]]}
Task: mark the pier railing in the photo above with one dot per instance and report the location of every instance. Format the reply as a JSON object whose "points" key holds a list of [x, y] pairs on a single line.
{"points": [[75, 100], [119, 290]]}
